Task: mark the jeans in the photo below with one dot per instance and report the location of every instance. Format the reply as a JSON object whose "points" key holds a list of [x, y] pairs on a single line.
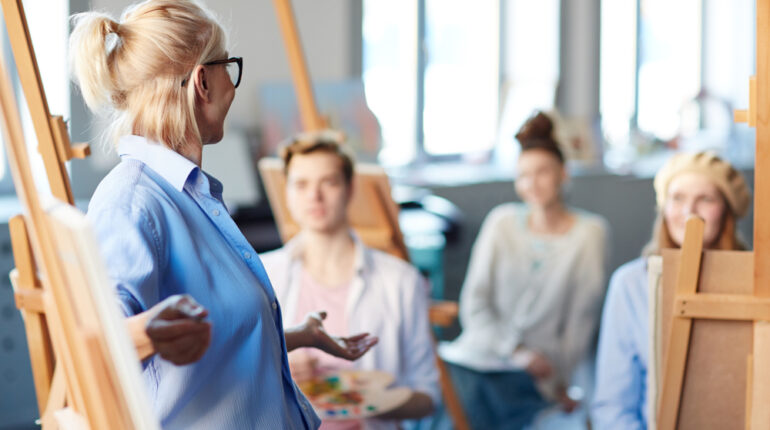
{"points": [[497, 400]]}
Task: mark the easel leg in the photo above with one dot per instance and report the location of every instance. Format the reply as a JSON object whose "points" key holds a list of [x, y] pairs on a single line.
{"points": [[760, 396], [749, 388], [56, 400], [35, 323], [679, 340]]}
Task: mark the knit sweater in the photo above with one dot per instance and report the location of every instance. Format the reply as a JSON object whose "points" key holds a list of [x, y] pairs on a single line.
{"points": [[539, 292]]}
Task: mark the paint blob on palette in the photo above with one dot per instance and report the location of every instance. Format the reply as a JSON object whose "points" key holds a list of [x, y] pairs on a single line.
{"points": [[353, 394]]}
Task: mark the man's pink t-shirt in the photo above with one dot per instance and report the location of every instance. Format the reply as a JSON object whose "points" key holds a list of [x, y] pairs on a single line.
{"points": [[313, 297]]}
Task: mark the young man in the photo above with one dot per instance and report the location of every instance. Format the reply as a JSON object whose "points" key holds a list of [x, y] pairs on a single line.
{"points": [[327, 268]]}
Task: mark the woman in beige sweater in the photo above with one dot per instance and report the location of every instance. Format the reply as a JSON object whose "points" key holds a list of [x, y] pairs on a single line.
{"points": [[530, 303]]}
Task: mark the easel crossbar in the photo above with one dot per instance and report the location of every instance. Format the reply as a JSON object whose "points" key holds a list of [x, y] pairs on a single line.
{"points": [[738, 307], [30, 300]]}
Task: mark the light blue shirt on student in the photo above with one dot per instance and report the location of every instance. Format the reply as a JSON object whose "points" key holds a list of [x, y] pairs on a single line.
{"points": [[620, 399], [163, 229]]}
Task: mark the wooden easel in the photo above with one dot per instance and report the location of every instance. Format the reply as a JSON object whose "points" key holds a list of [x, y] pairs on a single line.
{"points": [[41, 319], [99, 373], [373, 214], [54, 147], [716, 316]]}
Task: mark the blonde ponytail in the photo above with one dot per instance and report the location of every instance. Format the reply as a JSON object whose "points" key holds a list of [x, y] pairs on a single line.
{"points": [[90, 57], [132, 70]]}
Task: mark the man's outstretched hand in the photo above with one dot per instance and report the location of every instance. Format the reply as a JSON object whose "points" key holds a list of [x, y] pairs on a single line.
{"points": [[311, 333], [349, 348]]}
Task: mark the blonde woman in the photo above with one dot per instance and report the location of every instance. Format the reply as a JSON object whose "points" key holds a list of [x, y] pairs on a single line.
{"points": [[177, 259], [688, 184]]}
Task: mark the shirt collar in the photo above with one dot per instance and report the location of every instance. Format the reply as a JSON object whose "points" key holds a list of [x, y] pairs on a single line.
{"points": [[170, 165]]}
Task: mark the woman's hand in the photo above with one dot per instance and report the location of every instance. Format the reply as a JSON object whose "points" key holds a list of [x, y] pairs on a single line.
{"points": [[567, 402], [535, 363], [177, 330], [311, 333]]}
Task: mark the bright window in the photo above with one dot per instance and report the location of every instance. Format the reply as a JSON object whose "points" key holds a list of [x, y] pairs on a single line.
{"points": [[461, 76], [530, 66], [673, 72], [49, 31], [669, 72], [431, 74], [390, 74]]}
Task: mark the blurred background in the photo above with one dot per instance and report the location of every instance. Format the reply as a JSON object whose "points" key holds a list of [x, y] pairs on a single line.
{"points": [[434, 91]]}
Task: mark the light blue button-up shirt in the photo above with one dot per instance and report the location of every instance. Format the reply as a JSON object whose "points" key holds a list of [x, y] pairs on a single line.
{"points": [[620, 399], [163, 229]]}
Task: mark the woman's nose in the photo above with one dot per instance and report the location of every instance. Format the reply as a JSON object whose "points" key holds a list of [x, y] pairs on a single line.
{"points": [[691, 208]]}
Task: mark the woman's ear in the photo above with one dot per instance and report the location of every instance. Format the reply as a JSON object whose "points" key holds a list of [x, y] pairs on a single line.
{"points": [[200, 81]]}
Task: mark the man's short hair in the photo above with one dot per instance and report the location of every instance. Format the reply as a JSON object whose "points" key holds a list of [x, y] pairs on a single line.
{"points": [[328, 141]]}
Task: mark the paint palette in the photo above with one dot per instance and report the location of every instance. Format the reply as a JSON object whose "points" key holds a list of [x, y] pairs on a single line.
{"points": [[353, 394]]}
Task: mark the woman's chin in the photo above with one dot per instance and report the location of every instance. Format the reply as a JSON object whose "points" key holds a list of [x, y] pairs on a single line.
{"points": [[211, 137], [539, 202], [213, 141]]}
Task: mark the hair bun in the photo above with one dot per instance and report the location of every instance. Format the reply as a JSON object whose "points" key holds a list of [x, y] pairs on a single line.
{"points": [[537, 133], [539, 126]]}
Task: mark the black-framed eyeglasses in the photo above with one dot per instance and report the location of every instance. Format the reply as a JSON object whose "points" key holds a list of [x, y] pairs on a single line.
{"points": [[230, 63]]}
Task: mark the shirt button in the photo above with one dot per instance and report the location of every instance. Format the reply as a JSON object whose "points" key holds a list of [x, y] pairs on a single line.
{"points": [[215, 212], [247, 255], [275, 306]]}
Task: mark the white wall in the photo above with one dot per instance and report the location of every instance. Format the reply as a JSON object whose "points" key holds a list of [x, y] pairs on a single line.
{"points": [[324, 27], [330, 34]]}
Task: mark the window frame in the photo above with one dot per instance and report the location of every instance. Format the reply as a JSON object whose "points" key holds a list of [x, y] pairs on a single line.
{"points": [[421, 155]]}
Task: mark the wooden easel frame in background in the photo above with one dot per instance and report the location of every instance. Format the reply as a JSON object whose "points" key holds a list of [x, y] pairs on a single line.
{"points": [[716, 318], [372, 213]]}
